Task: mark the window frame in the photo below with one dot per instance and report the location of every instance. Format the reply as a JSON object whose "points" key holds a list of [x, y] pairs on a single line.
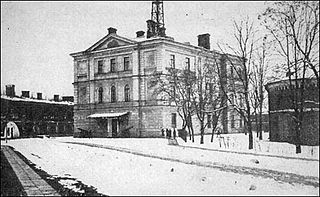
{"points": [[126, 93], [100, 66], [126, 66], [100, 95], [174, 120], [172, 61], [113, 94], [209, 120], [188, 63], [113, 65]]}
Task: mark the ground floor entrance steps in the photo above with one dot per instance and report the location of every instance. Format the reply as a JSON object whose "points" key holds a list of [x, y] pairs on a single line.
{"points": [[31, 182]]}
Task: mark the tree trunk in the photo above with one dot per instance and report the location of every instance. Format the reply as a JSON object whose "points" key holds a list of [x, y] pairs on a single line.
{"points": [[260, 123], [201, 132], [250, 135], [256, 125], [214, 126], [297, 140]]}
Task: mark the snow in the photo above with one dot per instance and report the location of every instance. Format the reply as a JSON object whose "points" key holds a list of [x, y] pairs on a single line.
{"points": [[114, 172], [36, 100]]}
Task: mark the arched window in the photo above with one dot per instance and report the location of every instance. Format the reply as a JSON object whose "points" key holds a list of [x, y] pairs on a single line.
{"points": [[126, 93], [100, 96], [113, 94]]}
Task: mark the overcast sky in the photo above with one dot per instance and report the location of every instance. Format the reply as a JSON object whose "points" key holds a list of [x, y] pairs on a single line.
{"points": [[37, 37]]}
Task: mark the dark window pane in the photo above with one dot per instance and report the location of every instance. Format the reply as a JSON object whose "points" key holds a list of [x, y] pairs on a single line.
{"points": [[113, 65]]}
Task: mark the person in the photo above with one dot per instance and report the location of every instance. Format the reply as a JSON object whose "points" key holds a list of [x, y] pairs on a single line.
{"points": [[167, 133], [169, 136], [162, 132], [174, 133]]}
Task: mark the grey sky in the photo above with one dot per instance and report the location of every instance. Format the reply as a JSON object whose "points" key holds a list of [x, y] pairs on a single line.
{"points": [[37, 37]]}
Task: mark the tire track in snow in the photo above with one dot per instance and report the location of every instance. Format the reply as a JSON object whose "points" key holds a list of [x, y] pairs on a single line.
{"points": [[257, 172]]}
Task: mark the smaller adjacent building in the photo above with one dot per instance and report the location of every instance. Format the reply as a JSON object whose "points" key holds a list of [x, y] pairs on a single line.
{"points": [[22, 116], [281, 111]]}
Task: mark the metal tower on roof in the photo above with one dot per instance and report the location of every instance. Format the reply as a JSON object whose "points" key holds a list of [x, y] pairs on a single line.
{"points": [[156, 23]]}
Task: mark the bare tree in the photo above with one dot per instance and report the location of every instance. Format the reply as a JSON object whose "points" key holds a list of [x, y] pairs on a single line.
{"points": [[241, 68], [259, 79], [205, 95], [176, 86], [294, 27]]}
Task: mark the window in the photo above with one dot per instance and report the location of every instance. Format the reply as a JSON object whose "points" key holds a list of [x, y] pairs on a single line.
{"points": [[126, 63], [172, 61], [209, 120], [126, 93], [113, 65], [82, 68], [113, 94], [232, 121], [187, 63], [100, 66], [83, 95], [174, 120], [100, 95]]}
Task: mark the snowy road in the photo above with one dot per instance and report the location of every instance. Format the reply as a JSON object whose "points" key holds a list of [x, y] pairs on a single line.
{"points": [[135, 167]]}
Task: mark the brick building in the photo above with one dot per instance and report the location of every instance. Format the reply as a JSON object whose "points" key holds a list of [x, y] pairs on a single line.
{"points": [[113, 97], [281, 112]]}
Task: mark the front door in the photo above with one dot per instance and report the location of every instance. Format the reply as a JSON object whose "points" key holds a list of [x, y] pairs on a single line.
{"points": [[114, 125]]}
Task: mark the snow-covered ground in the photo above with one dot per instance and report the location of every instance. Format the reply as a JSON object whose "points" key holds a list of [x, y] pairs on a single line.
{"points": [[114, 172], [239, 142]]}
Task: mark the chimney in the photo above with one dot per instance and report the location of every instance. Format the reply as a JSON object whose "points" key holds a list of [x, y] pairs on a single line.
{"points": [[56, 97], [140, 34], [10, 90], [204, 41], [151, 25], [112, 30], [39, 96], [25, 94]]}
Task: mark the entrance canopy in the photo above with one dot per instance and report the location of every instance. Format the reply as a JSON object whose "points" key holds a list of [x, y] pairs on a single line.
{"points": [[107, 115]]}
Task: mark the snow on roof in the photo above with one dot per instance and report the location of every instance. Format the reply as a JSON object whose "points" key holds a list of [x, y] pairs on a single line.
{"points": [[107, 115], [36, 100]]}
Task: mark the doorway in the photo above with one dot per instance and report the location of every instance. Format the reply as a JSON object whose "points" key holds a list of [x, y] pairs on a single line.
{"points": [[114, 129]]}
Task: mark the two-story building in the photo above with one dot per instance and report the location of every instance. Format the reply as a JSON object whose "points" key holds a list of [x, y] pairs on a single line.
{"points": [[112, 92]]}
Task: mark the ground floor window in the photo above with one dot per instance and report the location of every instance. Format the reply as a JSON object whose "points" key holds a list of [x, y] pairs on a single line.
{"points": [[174, 120]]}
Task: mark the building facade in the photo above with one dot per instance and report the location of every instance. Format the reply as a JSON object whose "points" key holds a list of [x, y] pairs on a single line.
{"points": [[113, 96], [281, 112], [30, 117]]}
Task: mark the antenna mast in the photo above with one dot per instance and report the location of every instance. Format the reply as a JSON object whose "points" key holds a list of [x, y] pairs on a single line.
{"points": [[156, 23]]}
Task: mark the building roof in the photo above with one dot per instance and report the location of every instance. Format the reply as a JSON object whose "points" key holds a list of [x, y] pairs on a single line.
{"points": [[36, 100], [127, 42]]}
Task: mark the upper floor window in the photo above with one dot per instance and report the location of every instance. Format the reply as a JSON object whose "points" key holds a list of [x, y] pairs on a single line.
{"points": [[113, 65], [113, 94], [172, 61], [126, 63], [100, 66], [127, 93], [187, 63], [82, 68], [100, 95]]}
